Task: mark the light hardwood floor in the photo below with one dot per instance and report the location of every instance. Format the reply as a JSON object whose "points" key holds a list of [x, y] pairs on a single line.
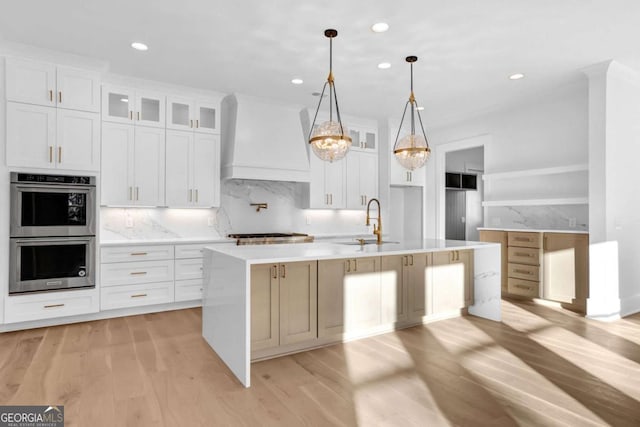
{"points": [[540, 366]]}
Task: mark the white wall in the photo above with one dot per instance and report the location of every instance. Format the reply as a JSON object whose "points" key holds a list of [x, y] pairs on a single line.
{"points": [[614, 148], [549, 131]]}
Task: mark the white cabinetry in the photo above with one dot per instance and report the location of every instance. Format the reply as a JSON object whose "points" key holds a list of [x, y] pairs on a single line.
{"points": [[39, 135], [24, 308], [193, 115], [51, 138], [133, 165], [41, 83], [189, 272], [133, 106], [192, 169], [363, 138], [398, 175], [327, 186], [362, 179]]}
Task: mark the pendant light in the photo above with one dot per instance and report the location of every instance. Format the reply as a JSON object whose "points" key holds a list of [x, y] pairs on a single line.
{"points": [[412, 151], [330, 141]]}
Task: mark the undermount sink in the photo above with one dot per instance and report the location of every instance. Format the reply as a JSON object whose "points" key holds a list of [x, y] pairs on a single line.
{"points": [[366, 242]]}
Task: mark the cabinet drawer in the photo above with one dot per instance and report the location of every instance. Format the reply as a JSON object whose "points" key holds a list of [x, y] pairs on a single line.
{"points": [[129, 273], [525, 288], [189, 269], [136, 295], [524, 240], [188, 290], [529, 256], [22, 308], [135, 253], [523, 271], [190, 251]]}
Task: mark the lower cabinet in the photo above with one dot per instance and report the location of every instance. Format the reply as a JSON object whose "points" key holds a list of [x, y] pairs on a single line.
{"points": [[136, 295], [566, 269], [283, 304], [403, 283], [451, 280], [349, 297], [47, 305]]}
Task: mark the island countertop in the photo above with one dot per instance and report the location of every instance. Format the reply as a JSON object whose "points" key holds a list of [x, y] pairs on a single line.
{"points": [[263, 254]]}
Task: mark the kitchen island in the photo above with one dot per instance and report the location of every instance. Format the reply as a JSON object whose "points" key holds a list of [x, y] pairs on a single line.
{"points": [[308, 295]]}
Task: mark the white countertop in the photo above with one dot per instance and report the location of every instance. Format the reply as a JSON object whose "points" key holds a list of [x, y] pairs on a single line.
{"points": [[163, 241], [262, 254], [535, 230]]}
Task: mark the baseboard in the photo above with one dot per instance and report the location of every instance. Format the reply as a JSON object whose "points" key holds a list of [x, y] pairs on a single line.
{"points": [[630, 305]]}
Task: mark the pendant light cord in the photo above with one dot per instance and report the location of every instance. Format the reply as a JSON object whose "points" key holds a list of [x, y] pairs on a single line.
{"points": [[412, 100]]}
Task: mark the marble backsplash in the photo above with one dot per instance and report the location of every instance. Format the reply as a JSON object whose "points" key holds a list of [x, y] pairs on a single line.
{"points": [[557, 217], [234, 216]]}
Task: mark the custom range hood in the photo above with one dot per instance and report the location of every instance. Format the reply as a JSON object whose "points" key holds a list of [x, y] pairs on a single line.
{"points": [[263, 140]]}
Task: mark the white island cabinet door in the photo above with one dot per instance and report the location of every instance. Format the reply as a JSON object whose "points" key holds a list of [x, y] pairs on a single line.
{"points": [[32, 82], [179, 192], [78, 89], [31, 135], [206, 170], [149, 166], [117, 166], [78, 142]]}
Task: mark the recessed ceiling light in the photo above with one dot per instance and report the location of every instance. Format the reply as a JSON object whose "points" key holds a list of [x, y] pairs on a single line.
{"points": [[516, 76], [297, 81], [384, 65], [379, 27], [139, 46]]}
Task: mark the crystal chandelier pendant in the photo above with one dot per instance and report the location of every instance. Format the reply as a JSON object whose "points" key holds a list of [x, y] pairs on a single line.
{"points": [[330, 141], [412, 151]]}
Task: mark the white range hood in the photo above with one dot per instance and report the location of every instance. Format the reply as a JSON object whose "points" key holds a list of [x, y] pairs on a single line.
{"points": [[263, 140]]}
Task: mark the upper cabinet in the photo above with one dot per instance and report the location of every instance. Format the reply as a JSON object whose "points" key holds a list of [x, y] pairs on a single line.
{"points": [[364, 138], [398, 175], [362, 179], [327, 185], [133, 106], [41, 83], [189, 114]]}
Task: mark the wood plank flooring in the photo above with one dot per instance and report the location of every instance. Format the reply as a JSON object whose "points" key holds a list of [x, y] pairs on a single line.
{"points": [[541, 366]]}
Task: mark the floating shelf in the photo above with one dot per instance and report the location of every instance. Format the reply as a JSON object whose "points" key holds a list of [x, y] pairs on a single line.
{"points": [[538, 202], [536, 172]]}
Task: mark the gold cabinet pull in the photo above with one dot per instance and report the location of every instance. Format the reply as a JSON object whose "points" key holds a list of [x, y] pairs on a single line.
{"points": [[138, 253], [331, 199], [138, 115], [53, 305], [50, 95], [130, 115], [59, 154], [59, 97], [522, 239], [138, 295], [191, 123], [523, 271], [348, 265], [130, 193], [274, 272], [138, 273], [524, 254], [196, 195], [197, 123], [50, 154], [283, 271], [405, 260], [411, 258], [355, 265], [137, 193], [190, 195]]}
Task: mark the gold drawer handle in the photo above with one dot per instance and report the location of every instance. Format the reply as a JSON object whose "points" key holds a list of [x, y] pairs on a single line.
{"points": [[523, 239], [138, 295], [138, 273], [523, 254], [523, 287], [53, 305], [138, 253], [523, 271]]}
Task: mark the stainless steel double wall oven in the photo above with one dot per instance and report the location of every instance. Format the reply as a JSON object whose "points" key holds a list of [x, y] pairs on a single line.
{"points": [[53, 228]]}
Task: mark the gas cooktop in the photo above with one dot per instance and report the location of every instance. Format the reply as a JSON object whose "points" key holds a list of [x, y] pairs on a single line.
{"points": [[270, 238]]}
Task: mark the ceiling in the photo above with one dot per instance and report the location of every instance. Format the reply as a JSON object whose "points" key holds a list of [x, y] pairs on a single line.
{"points": [[466, 48]]}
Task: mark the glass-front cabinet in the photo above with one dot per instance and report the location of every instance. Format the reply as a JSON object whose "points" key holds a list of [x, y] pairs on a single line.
{"points": [[125, 105], [192, 115], [363, 139]]}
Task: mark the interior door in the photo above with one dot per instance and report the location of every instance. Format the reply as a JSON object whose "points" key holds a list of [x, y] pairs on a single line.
{"points": [[455, 215]]}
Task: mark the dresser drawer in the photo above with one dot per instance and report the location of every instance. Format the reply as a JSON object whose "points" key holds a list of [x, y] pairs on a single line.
{"points": [[135, 253], [22, 308], [523, 271], [529, 256], [524, 240], [129, 273], [525, 288], [136, 295], [190, 251], [189, 269], [188, 290]]}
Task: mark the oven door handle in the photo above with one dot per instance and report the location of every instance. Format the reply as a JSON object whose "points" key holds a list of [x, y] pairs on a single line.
{"points": [[55, 188]]}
